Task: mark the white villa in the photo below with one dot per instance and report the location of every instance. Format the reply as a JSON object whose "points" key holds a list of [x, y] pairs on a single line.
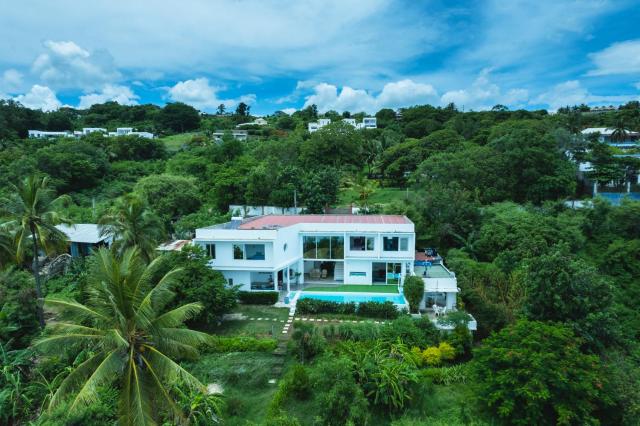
{"points": [[240, 135], [605, 135], [367, 123], [120, 131], [288, 253]]}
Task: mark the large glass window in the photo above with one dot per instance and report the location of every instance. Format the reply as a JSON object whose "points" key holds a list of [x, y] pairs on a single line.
{"points": [[362, 243], [337, 248], [254, 251], [390, 243], [324, 247], [238, 252], [404, 244], [309, 247]]}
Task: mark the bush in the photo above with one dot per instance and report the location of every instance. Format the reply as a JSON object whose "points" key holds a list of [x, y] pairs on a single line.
{"points": [[258, 297], [358, 332], [447, 375], [432, 356], [315, 306], [411, 332], [447, 352], [299, 382], [413, 291], [308, 342], [241, 344], [384, 310]]}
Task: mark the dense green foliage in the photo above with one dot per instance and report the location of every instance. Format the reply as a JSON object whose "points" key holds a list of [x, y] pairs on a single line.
{"points": [[554, 289]]}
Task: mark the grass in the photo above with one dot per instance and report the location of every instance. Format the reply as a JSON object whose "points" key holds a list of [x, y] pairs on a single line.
{"points": [[379, 196], [175, 142], [356, 288], [244, 378], [259, 329]]}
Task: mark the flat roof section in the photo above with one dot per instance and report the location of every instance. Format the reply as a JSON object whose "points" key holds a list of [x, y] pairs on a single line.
{"points": [[282, 221]]}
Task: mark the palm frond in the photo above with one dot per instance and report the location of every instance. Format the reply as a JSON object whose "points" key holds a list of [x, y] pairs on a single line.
{"points": [[73, 308], [178, 316], [170, 371], [104, 373], [75, 378]]}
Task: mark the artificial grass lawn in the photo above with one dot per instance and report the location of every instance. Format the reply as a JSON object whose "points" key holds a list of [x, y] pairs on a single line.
{"points": [[356, 288]]}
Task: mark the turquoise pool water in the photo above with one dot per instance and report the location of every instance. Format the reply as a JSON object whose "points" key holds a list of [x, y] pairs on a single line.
{"points": [[398, 299]]}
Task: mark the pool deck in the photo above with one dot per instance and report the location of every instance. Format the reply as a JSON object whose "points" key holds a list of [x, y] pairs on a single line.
{"points": [[355, 288]]}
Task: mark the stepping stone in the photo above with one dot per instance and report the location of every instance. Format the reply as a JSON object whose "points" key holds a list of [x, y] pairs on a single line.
{"points": [[272, 381], [252, 319], [281, 320], [259, 319], [325, 320], [304, 319]]}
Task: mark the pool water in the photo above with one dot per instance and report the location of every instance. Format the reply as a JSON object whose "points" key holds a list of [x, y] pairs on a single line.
{"points": [[397, 299]]}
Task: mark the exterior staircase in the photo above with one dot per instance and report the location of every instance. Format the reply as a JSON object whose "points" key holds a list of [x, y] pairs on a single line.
{"points": [[338, 271]]}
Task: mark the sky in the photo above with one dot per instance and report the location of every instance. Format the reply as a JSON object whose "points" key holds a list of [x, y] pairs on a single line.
{"points": [[355, 55]]}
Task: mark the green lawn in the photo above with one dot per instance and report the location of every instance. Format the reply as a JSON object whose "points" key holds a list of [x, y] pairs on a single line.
{"points": [[175, 142], [380, 196], [260, 329], [356, 288]]}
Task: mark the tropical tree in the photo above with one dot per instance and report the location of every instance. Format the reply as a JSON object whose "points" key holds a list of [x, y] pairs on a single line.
{"points": [[32, 214], [619, 133], [133, 340], [132, 224]]}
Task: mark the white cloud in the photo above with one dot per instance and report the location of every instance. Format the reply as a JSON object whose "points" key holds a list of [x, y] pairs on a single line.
{"points": [[40, 97], [572, 92], [64, 64], [11, 80], [200, 94], [484, 94], [619, 58], [395, 94], [289, 110], [120, 94]]}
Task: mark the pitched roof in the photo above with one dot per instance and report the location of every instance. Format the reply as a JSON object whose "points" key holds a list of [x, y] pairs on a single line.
{"points": [[82, 233], [281, 221]]}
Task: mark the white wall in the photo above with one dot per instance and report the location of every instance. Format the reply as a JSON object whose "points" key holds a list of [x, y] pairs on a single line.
{"points": [[239, 277], [352, 265]]}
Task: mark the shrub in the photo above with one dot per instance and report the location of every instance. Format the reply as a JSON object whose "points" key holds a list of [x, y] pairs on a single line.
{"points": [[413, 290], [241, 344], [447, 375], [416, 355], [410, 332], [432, 356], [315, 306], [384, 310], [258, 297], [358, 332], [308, 342], [299, 382], [447, 352]]}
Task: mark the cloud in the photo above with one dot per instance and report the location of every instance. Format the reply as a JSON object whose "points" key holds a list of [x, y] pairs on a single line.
{"points": [[289, 110], [395, 94], [120, 94], [64, 64], [619, 58], [572, 92], [11, 80], [40, 97], [200, 94], [484, 94]]}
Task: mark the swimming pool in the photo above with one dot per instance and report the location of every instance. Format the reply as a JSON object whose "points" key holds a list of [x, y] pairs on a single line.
{"points": [[397, 299]]}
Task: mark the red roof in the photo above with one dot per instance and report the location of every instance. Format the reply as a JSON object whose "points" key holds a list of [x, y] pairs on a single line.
{"points": [[280, 221]]}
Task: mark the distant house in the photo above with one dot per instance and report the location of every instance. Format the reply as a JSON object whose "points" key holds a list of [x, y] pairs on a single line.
{"points": [[128, 131], [41, 134], [257, 122], [240, 135], [84, 238], [175, 245], [367, 123], [606, 135], [88, 130]]}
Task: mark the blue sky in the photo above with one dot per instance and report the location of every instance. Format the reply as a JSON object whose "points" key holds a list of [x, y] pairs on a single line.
{"points": [[356, 55]]}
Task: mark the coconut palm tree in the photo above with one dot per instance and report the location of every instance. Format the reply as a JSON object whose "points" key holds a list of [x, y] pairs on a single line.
{"points": [[31, 210], [132, 224], [619, 133], [133, 339]]}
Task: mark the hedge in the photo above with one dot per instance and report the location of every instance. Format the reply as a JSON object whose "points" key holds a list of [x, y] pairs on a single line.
{"points": [[241, 344], [258, 297], [386, 310]]}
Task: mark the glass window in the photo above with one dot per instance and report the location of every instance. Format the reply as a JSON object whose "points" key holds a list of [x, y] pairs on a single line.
{"points": [[390, 243], [404, 244], [323, 247], [238, 252], [337, 248], [210, 249], [362, 243], [254, 251], [309, 247]]}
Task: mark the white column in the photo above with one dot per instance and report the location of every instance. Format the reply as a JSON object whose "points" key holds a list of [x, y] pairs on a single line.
{"points": [[288, 279], [275, 280]]}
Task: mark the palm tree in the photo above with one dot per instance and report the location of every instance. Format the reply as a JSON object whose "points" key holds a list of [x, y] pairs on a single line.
{"points": [[132, 338], [619, 133], [132, 224], [32, 214]]}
